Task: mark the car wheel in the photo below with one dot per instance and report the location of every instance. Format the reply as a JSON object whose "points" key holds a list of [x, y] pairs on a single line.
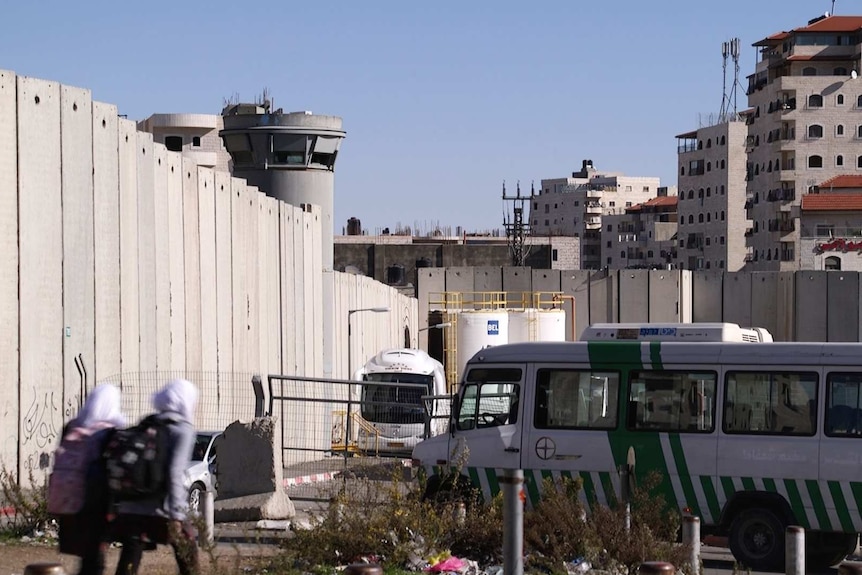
{"points": [[196, 495], [757, 539]]}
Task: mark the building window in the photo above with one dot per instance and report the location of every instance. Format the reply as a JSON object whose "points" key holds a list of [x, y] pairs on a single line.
{"points": [[553, 255], [709, 166], [609, 244], [840, 71], [839, 160], [839, 99], [196, 141], [612, 204], [610, 261], [682, 170], [708, 217], [174, 143], [623, 254], [535, 205], [722, 189], [809, 71], [815, 131], [709, 142], [839, 130], [628, 204], [700, 218], [859, 101], [547, 208], [859, 162], [547, 222], [722, 140], [690, 219], [816, 161], [722, 215], [722, 164], [815, 101], [721, 239], [649, 253], [628, 188], [832, 263], [646, 189]]}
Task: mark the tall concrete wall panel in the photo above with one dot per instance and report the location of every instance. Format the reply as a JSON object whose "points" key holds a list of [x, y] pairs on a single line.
{"points": [[737, 298], [192, 251], [604, 294], [764, 301], [299, 301], [786, 293], [431, 284], [270, 287], [129, 304], [240, 271], [487, 278], [9, 384], [41, 271], [811, 306], [546, 281], [665, 296], [224, 280], [177, 260], [516, 283], [146, 252], [460, 280], [634, 298], [79, 341], [253, 246], [162, 233], [707, 296], [288, 270], [576, 284], [842, 306], [209, 308]]}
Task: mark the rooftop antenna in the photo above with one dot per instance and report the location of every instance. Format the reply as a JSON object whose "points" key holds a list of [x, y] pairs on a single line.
{"points": [[832, 11], [725, 50], [734, 54], [516, 228]]}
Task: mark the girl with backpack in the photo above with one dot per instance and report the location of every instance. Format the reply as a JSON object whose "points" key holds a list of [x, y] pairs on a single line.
{"points": [[161, 517], [77, 486]]}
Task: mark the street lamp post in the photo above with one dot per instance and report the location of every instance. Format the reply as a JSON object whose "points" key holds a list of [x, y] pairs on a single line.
{"points": [[348, 427]]}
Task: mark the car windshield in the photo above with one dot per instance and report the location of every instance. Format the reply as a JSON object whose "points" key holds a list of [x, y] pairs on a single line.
{"points": [[201, 444]]}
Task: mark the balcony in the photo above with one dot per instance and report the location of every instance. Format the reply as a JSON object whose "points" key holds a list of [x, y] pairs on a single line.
{"points": [[594, 193], [593, 208], [749, 232], [782, 225]]}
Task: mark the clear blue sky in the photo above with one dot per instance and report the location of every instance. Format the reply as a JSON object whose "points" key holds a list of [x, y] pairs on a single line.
{"points": [[441, 101]]}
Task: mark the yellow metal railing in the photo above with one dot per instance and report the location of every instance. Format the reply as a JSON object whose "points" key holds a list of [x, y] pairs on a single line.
{"points": [[341, 443]]}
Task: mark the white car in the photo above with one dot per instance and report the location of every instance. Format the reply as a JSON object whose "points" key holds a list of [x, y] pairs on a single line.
{"points": [[201, 473]]}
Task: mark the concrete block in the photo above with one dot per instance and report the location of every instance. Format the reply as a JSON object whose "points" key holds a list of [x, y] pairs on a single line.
{"points": [[224, 297], [545, 281], [130, 306], [162, 280], [785, 310], [576, 283], [764, 300], [737, 298], [250, 458], [239, 272], [707, 298], [604, 297], [518, 285], [207, 231], [262, 506], [487, 278], [177, 258], [842, 306], [634, 296], [460, 280], [665, 296], [192, 251], [811, 306], [146, 252], [288, 273]]}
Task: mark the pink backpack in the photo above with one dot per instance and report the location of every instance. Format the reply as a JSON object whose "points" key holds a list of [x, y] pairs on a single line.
{"points": [[67, 484]]}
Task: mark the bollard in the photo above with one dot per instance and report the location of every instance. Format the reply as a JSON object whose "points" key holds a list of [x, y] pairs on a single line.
{"points": [[512, 482], [794, 550], [207, 536], [363, 569], [691, 537], [460, 513], [850, 568], [44, 569], [656, 568]]}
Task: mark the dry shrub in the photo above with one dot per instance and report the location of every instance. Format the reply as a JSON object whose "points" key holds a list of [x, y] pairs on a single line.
{"points": [[29, 504]]}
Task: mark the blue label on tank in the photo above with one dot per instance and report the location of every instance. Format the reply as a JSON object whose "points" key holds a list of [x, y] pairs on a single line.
{"points": [[493, 327]]}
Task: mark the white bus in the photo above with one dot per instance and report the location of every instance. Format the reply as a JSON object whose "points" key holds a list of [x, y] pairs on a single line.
{"points": [[749, 437], [391, 408]]}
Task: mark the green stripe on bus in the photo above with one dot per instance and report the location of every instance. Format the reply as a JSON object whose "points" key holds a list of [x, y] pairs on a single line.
{"points": [[474, 479], [796, 503], [532, 487], [728, 487], [655, 354], [682, 472], [840, 506], [493, 484], [856, 490], [769, 485], [609, 354], [748, 484], [711, 497], [819, 506], [608, 486], [589, 489]]}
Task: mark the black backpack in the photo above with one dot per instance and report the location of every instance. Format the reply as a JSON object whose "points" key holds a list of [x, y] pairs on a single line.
{"points": [[136, 460]]}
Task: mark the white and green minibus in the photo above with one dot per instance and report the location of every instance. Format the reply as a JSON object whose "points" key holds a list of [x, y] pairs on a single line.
{"points": [[749, 435]]}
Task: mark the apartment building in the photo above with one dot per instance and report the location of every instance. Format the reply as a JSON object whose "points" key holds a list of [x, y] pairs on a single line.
{"points": [[575, 206], [195, 135], [805, 128], [644, 236], [830, 221], [711, 186]]}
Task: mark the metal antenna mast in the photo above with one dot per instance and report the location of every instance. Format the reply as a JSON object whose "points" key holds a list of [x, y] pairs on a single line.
{"points": [[515, 226], [734, 54], [725, 49]]}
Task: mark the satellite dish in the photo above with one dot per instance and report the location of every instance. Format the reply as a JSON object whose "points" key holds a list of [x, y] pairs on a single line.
{"points": [[853, 74]]}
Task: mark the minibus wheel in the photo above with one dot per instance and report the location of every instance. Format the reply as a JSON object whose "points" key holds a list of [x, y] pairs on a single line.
{"points": [[757, 539]]}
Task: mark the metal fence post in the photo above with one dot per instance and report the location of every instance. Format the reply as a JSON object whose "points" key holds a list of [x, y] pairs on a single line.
{"points": [[691, 538], [513, 522], [257, 386], [794, 550]]}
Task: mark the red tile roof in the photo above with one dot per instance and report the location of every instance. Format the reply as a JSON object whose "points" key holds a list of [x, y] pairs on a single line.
{"points": [[658, 201], [831, 202], [842, 182], [834, 24]]}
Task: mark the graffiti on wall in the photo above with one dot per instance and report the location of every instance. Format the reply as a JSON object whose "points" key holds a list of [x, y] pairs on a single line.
{"points": [[38, 426]]}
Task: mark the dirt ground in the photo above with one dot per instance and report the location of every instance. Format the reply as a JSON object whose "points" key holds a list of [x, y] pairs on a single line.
{"points": [[15, 556]]}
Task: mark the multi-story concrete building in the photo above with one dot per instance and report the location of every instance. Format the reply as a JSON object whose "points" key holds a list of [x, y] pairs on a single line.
{"points": [[644, 236], [805, 128], [712, 217], [575, 206], [195, 135]]}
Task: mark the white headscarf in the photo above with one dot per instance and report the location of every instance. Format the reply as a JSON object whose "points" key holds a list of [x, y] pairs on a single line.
{"points": [[102, 405], [179, 396]]}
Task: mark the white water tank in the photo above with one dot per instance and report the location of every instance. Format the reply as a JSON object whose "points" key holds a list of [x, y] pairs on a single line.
{"points": [[533, 324], [478, 330]]}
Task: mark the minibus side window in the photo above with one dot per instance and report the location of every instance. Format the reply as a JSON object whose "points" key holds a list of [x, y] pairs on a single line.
{"points": [[677, 401], [843, 408], [576, 399], [490, 397], [770, 403]]}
